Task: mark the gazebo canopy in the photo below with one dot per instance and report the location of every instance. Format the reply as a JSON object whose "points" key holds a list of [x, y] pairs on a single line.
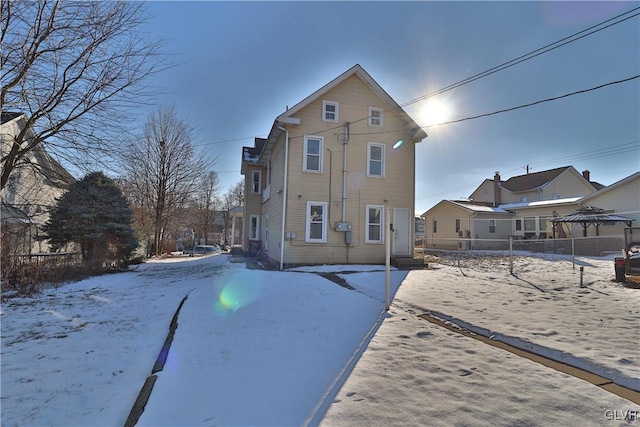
{"points": [[590, 215]]}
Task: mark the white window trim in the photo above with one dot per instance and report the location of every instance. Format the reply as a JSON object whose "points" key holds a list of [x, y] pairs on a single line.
{"points": [[382, 169], [382, 229], [307, 237], [381, 111], [324, 111], [257, 235], [253, 173], [321, 154]]}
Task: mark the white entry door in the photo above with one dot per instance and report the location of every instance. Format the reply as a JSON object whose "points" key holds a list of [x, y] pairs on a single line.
{"points": [[402, 231]]}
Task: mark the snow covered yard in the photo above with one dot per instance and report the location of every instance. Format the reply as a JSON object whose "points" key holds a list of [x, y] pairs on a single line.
{"points": [[280, 348], [593, 327], [417, 373]]}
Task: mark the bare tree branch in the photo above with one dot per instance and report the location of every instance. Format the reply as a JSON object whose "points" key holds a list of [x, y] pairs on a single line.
{"points": [[76, 69], [162, 166]]}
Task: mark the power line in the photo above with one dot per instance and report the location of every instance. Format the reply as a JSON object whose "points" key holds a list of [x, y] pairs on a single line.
{"points": [[515, 61], [512, 108], [605, 152], [536, 102], [526, 57]]}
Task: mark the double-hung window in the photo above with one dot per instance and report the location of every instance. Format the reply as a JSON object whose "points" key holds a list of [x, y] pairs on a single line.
{"points": [[313, 153], [256, 181], [330, 111], [375, 223], [316, 223], [376, 117], [375, 160], [254, 231], [492, 226]]}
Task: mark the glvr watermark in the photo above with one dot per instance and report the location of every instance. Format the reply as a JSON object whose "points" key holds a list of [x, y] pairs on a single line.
{"points": [[622, 415]]}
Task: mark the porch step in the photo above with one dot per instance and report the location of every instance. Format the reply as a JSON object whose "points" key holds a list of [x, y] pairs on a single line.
{"points": [[408, 262]]}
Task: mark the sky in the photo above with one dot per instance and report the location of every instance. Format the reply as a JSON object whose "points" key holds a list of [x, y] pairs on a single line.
{"points": [[243, 63], [291, 348]]}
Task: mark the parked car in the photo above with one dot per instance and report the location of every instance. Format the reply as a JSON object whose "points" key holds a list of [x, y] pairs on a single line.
{"points": [[205, 250]]}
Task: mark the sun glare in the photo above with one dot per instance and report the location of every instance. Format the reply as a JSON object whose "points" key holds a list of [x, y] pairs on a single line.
{"points": [[435, 112]]}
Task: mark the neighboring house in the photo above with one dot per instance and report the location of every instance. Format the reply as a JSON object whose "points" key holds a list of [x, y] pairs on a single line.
{"points": [[450, 223], [532, 220], [522, 207], [34, 185], [317, 189], [553, 184], [620, 198]]}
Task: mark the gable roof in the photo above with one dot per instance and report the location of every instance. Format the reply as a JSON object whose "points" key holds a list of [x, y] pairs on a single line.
{"points": [[7, 116], [358, 71], [416, 133], [470, 207], [41, 162], [532, 181], [611, 187]]}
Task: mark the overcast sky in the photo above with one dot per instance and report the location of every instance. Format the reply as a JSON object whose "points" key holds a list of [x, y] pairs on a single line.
{"points": [[245, 62]]}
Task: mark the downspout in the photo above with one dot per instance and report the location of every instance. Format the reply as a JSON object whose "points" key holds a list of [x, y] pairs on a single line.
{"points": [[344, 172], [284, 193], [344, 187]]}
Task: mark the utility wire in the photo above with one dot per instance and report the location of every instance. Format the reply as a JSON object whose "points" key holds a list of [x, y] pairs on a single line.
{"points": [[526, 57], [536, 102], [478, 76], [602, 152], [512, 108], [605, 152], [508, 64]]}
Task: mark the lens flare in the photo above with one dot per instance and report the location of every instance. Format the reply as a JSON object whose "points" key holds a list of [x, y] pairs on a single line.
{"points": [[236, 294]]}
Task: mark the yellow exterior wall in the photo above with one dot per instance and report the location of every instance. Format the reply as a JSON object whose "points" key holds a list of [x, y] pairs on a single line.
{"points": [[396, 189], [445, 214]]}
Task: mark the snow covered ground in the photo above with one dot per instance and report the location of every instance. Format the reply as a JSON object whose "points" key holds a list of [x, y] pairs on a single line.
{"points": [[258, 348]]}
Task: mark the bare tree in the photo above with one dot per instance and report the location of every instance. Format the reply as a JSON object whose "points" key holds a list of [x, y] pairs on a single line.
{"points": [[206, 204], [233, 198], [163, 168], [75, 69]]}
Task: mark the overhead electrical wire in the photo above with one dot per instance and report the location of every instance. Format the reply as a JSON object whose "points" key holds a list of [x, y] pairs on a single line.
{"points": [[627, 147], [548, 48], [594, 154], [536, 102], [566, 95], [508, 64]]}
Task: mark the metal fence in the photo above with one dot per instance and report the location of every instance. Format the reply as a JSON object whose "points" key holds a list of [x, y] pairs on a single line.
{"points": [[583, 246]]}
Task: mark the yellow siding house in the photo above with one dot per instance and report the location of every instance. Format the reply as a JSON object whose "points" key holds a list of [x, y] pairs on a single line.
{"points": [[318, 188]]}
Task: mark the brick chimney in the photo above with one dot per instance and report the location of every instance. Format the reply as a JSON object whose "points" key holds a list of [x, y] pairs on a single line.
{"points": [[497, 196], [587, 175]]}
